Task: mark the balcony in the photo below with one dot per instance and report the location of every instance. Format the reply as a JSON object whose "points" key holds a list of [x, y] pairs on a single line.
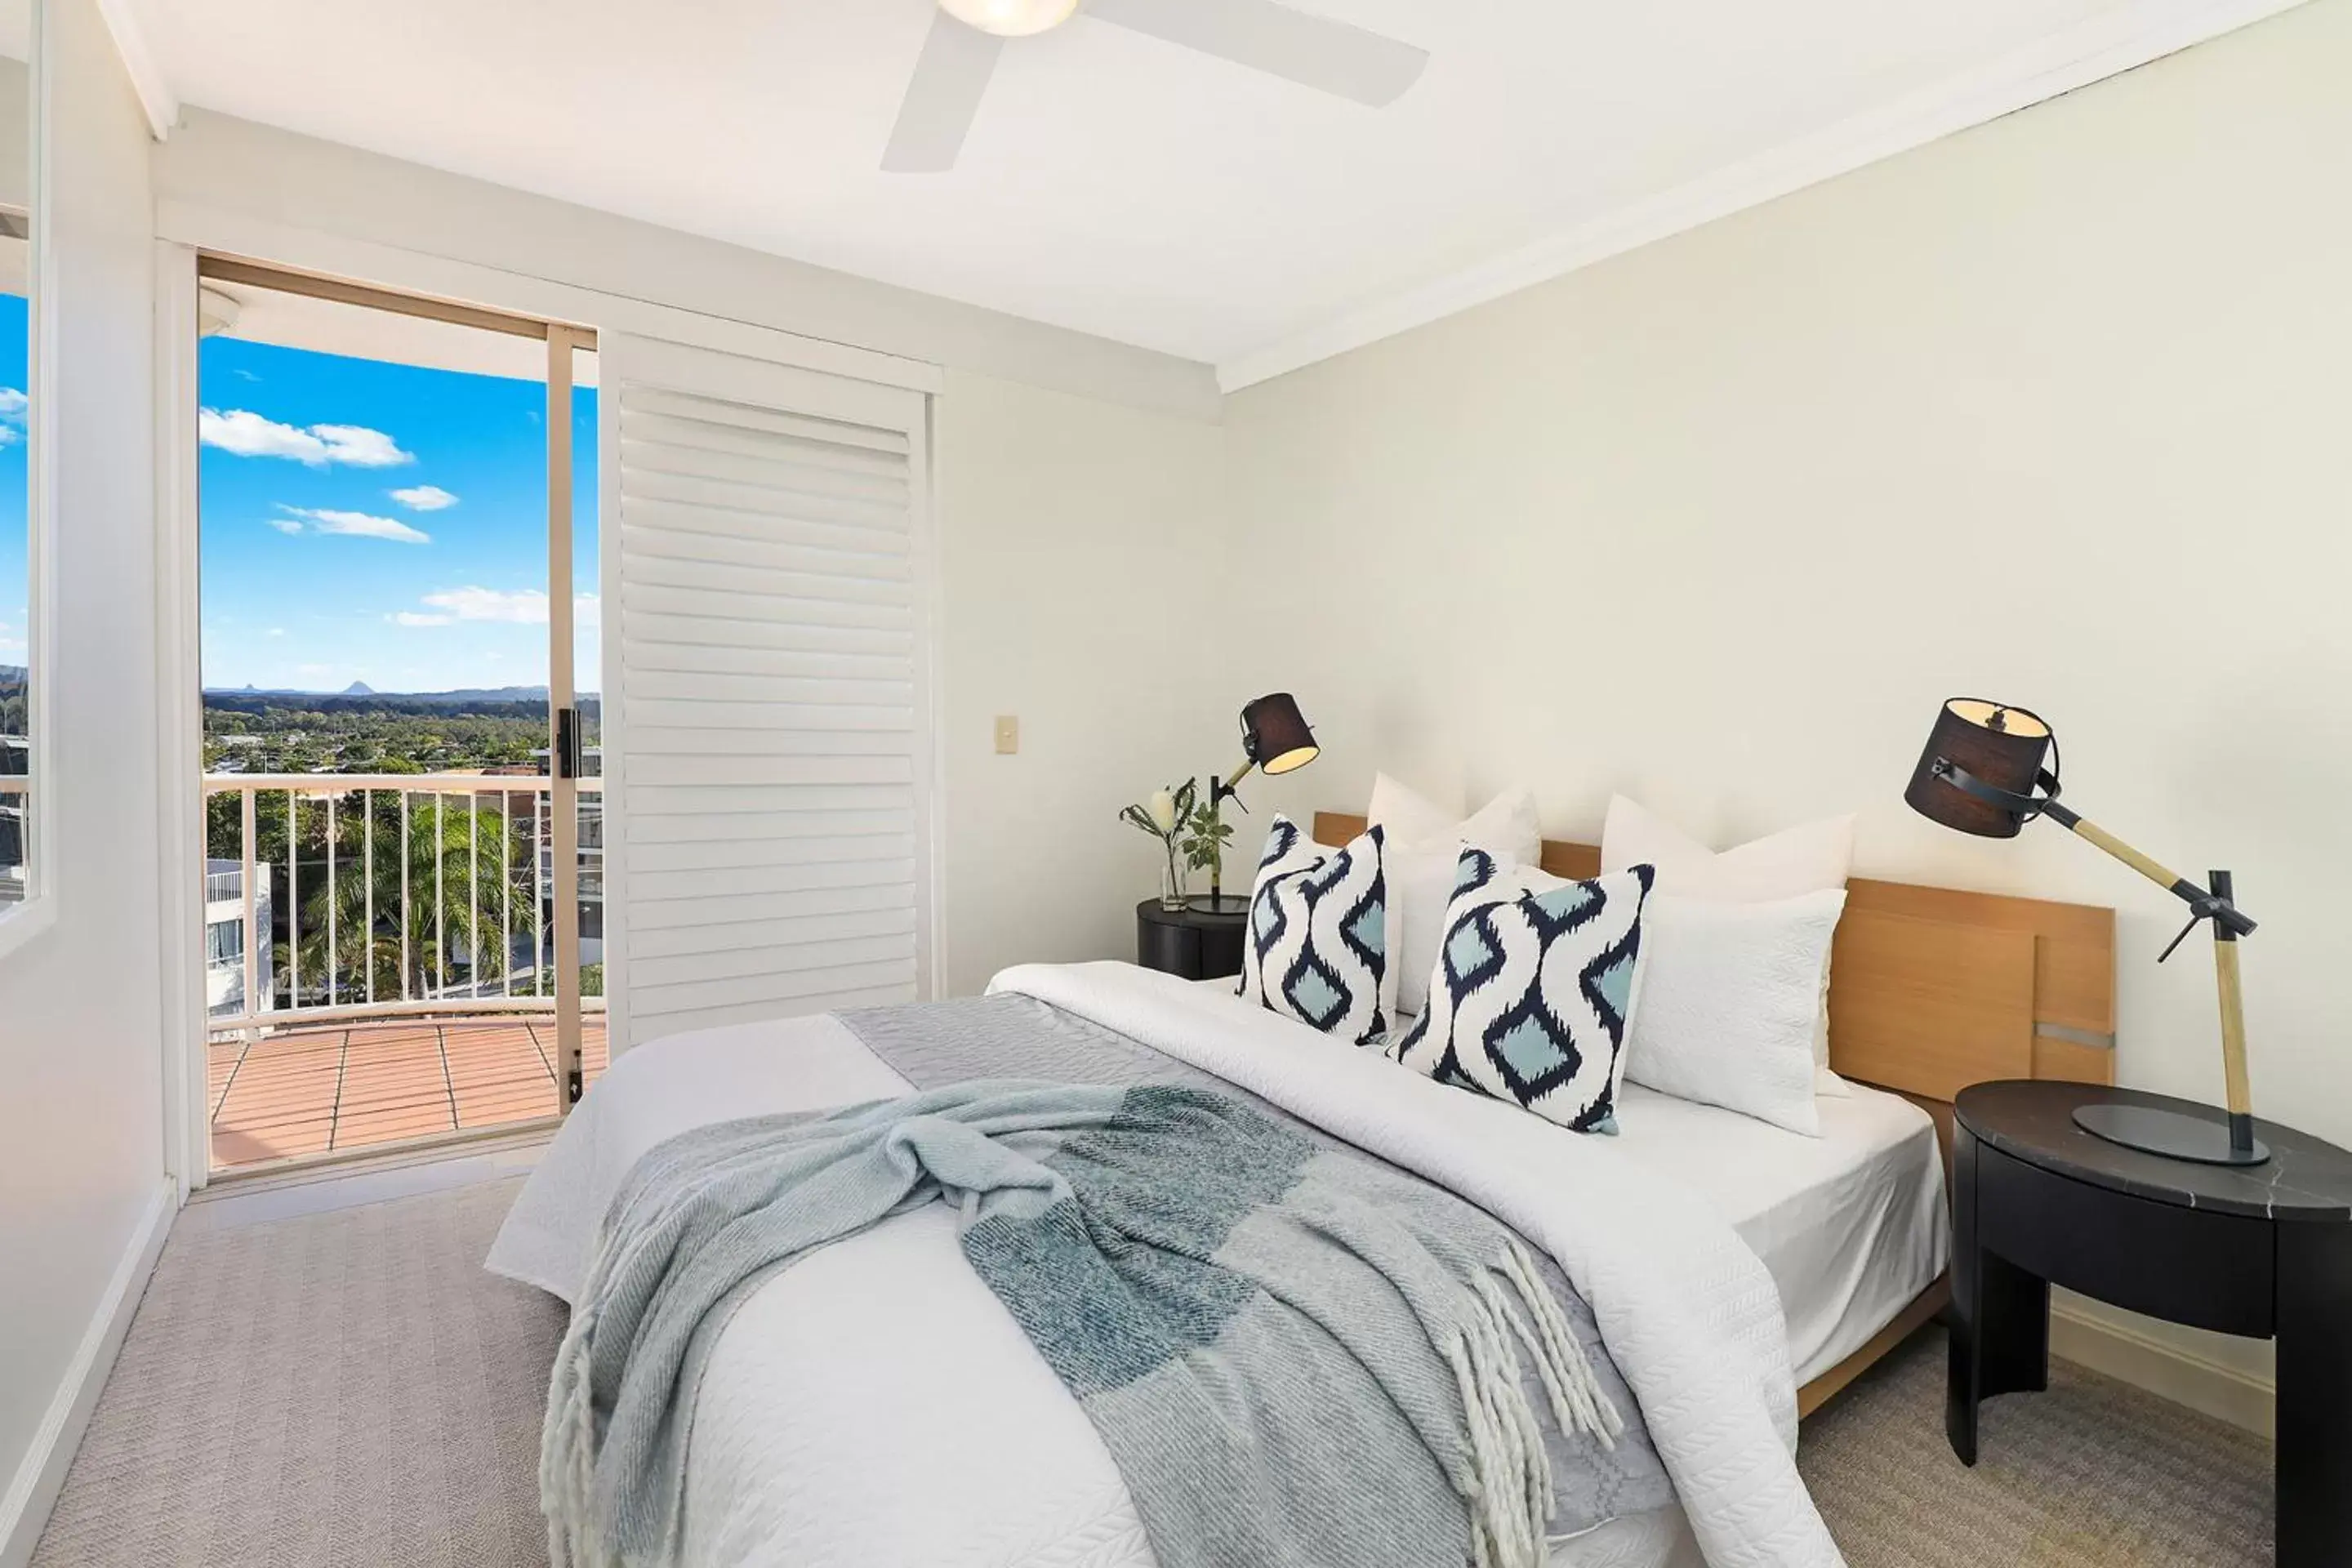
{"points": [[302, 1091], [379, 959]]}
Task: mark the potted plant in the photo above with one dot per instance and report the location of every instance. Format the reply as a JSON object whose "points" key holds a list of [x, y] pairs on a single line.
{"points": [[1205, 835]]}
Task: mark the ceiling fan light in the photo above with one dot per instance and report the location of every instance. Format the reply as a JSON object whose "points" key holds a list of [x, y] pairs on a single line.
{"points": [[1011, 18]]}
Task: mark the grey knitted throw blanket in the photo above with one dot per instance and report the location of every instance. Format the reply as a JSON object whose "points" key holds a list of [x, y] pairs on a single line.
{"points": [[1298, 1357]]}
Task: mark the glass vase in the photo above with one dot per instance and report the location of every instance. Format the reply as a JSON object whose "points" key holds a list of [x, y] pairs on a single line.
{"points": [[1171, 883]]}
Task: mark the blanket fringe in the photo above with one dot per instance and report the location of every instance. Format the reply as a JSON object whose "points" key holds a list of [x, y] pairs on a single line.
{"points": [[567, 1454], [1510, 1491], [1579, 1403]]}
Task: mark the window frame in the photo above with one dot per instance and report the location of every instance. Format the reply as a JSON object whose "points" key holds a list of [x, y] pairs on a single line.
{"points": [[26, 918]]}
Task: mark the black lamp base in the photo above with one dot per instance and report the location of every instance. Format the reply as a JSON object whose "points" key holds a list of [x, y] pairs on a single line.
{"points": [[2170, 1133], [1217, 903]]}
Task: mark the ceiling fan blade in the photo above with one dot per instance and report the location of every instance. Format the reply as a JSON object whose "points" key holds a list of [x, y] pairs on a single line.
{"points": [[1314, 51], [943, 99]]}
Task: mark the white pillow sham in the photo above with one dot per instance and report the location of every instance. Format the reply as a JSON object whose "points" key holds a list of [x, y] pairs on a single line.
{"points": [[1812, 859], [1424, 845], [1729, 993]]}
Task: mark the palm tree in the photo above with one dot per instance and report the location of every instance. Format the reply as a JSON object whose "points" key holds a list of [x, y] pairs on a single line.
{"points": [[424, 888]]}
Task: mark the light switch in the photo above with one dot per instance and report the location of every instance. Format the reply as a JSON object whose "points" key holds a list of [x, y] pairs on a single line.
{"points": [[1008, 734]]}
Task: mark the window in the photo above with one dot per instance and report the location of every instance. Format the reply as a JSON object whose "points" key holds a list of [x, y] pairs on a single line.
{"points": [[20, 758]]}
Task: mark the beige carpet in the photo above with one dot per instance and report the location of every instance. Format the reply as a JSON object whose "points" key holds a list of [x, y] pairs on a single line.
{"points": [[352, 1389], [341, 1389], [2090, 1474]]}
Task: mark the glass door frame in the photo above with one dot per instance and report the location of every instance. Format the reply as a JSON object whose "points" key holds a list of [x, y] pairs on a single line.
{"points": [[564, 737]]}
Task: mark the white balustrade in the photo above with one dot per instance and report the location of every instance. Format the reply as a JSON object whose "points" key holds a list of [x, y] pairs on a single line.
{"points": [[473, 967]]}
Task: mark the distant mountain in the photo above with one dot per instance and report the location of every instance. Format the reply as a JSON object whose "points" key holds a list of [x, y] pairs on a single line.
{"points": [[12, 675], [496, 701], [362, 689]]}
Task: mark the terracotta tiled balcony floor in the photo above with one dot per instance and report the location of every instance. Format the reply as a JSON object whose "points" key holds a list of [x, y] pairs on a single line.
{"points": [[312, 1091]]}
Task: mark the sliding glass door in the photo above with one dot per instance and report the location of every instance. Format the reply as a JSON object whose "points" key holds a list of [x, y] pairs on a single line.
{"points": [[402, 776]]}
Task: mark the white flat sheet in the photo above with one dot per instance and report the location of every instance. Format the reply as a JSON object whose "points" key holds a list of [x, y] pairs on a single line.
{"points": [[1850, 1225]]}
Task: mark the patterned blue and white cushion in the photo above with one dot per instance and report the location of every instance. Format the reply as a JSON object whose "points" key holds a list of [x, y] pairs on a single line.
{"points": [[1316, 946], [1533, 985]]}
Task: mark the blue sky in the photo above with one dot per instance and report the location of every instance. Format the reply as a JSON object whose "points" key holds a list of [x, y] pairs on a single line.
{"points": [[11, 479], [376, 522]]}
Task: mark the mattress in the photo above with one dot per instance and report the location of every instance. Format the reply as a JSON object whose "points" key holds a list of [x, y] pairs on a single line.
{"points": [[1852, 1226]]}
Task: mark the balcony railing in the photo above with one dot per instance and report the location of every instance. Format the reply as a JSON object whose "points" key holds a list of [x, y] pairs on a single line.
{"points": [[15, 793], [358, 896]]}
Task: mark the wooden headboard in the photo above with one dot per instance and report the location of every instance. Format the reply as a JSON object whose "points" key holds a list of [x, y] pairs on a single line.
{"points": [[1932, 989]]}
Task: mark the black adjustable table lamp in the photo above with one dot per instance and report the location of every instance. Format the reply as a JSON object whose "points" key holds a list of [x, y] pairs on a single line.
{"points": [[1274, 740], [1978, 775]]}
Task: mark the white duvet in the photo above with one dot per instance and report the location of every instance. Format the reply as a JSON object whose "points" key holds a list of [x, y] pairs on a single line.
{"points": [[873, 1405]]}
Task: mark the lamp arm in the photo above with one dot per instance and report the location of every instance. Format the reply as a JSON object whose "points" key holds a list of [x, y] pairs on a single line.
{"points": [[1221, 790], [2210, 903], [2230, 923]]}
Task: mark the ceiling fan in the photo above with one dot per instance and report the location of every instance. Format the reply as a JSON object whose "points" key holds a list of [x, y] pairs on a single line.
{"points": [[967, 36]]}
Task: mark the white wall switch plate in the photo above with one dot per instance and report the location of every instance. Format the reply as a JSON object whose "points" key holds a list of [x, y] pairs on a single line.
{"points": [[1008, 734]]}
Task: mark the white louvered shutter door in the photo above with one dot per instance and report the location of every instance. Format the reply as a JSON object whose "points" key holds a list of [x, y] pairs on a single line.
{"points": [[767, 725]]}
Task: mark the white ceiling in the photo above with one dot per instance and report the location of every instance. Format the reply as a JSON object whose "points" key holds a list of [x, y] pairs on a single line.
{"points": [[1117, 184]]}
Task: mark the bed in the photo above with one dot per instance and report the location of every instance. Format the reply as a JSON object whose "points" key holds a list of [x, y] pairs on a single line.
{"points": [[875, 1405]]}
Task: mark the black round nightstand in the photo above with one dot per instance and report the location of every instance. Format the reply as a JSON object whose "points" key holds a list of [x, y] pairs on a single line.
{"points": [[2264, 1251], [1192, 942]]}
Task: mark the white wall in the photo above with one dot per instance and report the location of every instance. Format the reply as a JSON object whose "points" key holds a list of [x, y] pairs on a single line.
{"points": [[1081, 583], [81, 1137], [2054, 411]]}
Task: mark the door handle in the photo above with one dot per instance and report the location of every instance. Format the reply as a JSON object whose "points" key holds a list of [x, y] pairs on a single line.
{"points": [[567, 742]]}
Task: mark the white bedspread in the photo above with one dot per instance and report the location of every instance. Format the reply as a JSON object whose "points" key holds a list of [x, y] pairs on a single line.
{"points": [[854, 1410]]}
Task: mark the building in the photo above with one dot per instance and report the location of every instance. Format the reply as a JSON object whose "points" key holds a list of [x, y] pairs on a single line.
{"points": [[225, 938]]}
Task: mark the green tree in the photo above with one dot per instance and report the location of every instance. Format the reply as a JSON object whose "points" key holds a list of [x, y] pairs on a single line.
{"points": [[452, 855]]}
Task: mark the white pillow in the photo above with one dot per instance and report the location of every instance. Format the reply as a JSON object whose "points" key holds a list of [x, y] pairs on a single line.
{"points": [[1813, 859], [1424, 845], [1729, 993]]}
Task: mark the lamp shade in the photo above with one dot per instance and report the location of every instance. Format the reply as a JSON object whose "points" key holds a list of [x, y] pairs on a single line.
{"points": [[1274, 734], [1994, 750]]}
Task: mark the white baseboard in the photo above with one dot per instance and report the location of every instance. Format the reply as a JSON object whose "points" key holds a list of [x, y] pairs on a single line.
{"points": [[25, 1508], [2150, 1359]]}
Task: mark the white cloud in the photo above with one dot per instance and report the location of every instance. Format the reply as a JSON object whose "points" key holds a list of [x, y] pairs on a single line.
{"points": [[424, 498], [518, 608], [355, 524], [284, 524], [361, 447], [10, 435], [12, 403], [275, 632], [524, 607], [249, 435]]}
